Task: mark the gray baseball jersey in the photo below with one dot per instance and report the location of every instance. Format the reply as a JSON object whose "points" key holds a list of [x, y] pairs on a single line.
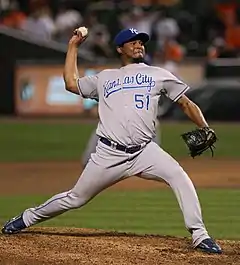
{"points": [[130, 95], [128, 99]]}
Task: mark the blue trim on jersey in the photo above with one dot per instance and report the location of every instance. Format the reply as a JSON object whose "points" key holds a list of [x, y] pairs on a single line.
{"points": [[136, 87], [113, 91], [53, 200], [181, 93], [148, 87]]}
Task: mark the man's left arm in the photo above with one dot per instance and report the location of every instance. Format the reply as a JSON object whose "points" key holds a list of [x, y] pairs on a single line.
{"points": [[192, 111], [201, 139], [198, 140], [175, 89]]}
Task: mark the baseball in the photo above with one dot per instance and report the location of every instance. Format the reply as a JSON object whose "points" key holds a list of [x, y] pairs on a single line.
{"points": [[83, 30]]}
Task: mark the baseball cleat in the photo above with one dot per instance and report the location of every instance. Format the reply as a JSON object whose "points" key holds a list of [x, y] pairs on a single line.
{"points": [[209, 246], [13, 226]]}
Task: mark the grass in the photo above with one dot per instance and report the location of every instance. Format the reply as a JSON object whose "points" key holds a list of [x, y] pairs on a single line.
{"points": [[42, 141], [154, 212], [32, 141]]}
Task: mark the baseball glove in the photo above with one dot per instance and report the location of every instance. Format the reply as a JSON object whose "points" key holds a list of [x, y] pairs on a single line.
{"points": [[199, 140]]}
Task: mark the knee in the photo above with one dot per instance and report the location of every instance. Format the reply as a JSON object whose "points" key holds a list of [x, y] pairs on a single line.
{"points": [[76, 200], [179, 175], [184, 180]]}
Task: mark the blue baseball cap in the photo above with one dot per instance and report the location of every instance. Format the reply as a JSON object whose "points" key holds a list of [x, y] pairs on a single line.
{"points": [[131, 34]]}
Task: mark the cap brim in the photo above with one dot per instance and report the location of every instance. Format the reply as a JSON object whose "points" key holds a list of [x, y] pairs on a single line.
{"points": [[144, 37]]}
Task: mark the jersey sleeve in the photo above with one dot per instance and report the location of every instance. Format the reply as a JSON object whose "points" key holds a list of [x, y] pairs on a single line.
{"points": [[174, 87], [87, 86]]}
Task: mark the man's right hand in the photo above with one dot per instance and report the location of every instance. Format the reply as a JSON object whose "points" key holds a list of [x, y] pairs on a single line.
{"points": [[77, 39]]}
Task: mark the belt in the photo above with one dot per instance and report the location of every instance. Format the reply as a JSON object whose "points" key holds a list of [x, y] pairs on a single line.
{"points": [[130, 150]]}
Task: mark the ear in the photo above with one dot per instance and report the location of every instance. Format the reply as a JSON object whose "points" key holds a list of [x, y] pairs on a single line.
{"points": [[119, 50]]}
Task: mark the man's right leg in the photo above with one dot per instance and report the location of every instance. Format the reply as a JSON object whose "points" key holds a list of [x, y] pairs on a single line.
{"points": [[92, 181]]}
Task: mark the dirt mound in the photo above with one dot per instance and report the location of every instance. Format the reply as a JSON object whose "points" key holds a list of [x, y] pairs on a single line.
{"points": [[84, 246]]}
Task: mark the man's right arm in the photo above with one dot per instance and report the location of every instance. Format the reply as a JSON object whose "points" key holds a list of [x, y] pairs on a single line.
{"points": [[70, 73]]}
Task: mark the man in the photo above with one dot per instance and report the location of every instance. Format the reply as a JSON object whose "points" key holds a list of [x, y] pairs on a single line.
{"points": [[128, 99]]}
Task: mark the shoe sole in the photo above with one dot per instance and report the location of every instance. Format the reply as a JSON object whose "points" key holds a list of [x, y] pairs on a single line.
{"points": [[5, 232], [208, 251]]}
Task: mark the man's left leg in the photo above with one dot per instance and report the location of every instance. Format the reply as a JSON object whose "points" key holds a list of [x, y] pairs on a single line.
{"points": [[155, 164], [90, 148]]}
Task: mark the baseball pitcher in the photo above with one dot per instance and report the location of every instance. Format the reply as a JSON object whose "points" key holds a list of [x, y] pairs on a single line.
{"points": [[127, 108]]}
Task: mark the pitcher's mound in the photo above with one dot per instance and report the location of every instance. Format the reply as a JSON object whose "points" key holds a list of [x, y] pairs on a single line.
{"points": [[85, 246]]}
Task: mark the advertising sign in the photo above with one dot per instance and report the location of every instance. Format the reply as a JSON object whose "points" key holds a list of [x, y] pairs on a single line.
{"points": [[40, 90]]}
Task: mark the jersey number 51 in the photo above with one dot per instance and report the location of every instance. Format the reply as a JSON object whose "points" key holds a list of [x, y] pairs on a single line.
{"points": [[142, 101]]}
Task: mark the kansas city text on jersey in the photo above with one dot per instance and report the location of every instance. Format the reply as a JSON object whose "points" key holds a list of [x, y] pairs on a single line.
{"points": [[138, 81]]}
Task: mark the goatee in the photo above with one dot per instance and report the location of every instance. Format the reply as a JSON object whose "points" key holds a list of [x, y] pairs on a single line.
{"points": [[138, 60]]}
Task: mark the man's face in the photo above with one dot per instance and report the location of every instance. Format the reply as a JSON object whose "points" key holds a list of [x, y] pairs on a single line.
{"points": [[134, 49]]}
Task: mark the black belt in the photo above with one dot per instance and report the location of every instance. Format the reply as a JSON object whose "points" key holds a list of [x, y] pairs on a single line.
{"points": [[131, 150]]}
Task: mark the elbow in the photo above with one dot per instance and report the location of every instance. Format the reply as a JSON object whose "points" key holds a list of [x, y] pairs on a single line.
{"points": [[186, 103], [189, 106], [71, 85], [72, 88]]}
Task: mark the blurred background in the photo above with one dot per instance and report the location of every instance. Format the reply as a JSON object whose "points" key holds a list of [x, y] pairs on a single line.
{"points": [[199, 41], [44, 129]]}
